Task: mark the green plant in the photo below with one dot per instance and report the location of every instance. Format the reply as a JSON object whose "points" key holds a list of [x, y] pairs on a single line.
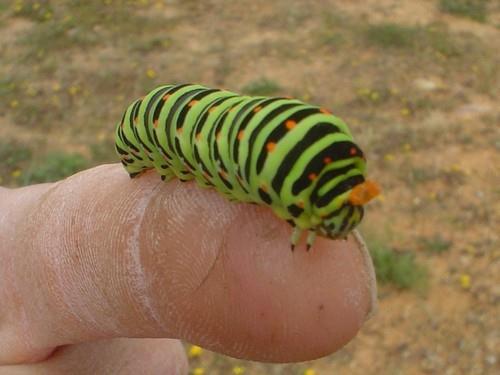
{"points": [[398, 269], [262, 86], [39, 10], [435, 244], [13, 154], [55, 166], [392, 35], [473, 9]]}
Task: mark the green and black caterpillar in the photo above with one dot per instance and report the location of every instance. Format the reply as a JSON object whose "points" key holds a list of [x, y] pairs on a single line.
{"points": [[296, 158]]}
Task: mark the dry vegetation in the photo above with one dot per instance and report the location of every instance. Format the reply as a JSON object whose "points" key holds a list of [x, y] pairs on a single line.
{"points": [[418, 81]]}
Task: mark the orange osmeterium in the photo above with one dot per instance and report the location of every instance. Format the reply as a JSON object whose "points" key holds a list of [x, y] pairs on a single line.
{"points": [[363, 193]]}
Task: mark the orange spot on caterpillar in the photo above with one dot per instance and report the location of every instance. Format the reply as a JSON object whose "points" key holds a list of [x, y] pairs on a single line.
{"points": [[312, 176], [257, 109], [155, 124], [198, 136], [300, 204], [363, 193], [223, 174], [263, 187], [218, 135], [353, 151], [166, 96], [327, 160], [325, 111], [270, 146], [192, 103], [179, 131], [240, 135], [290, 124], [212, 109]]}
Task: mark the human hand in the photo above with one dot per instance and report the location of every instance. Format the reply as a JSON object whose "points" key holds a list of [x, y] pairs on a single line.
{"points": [[98, 257]]}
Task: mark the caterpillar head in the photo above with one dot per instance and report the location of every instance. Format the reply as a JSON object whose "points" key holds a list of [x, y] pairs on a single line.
{"points": [[346, 209]]}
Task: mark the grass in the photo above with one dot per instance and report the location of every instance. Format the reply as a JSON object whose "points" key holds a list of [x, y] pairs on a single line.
{"points": [[414, 176], [333, 29], [14, 156], [398, 269], [19, 167], [433, 37], [56, 36], [38, 10], [262, 86], [53, 167], [391, 35], [473, 9], [435, 244]]}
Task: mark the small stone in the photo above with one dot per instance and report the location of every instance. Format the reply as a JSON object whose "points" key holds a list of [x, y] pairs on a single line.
{"points": [[426, 84], [490, 359]]}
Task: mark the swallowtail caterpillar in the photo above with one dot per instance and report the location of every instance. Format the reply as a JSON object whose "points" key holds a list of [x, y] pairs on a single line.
{"points": [[296, 158]]}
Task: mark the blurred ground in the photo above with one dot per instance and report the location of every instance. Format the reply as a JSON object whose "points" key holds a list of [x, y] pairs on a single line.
{"points": [[418, 82]]}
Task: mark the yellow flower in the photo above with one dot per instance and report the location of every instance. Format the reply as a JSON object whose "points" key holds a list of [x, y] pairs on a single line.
{"points": [[195, 351], [73, 90], [374, 96], [238, 370], [31, 91], [310, 371], [199, 371], [16, 173], [405, 111], [36, 6], [388, 157], [150, 73], [407, 147], [465, 281], [364, 91], [14, 103]]}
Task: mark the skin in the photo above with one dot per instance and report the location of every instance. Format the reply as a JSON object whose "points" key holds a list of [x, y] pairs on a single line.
{"points": [[98, 257]]}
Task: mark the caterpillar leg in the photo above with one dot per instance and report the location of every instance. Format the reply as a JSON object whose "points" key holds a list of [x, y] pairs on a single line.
{"points": [[294, 240], [137, 174], [166, 176], [311, 236]]}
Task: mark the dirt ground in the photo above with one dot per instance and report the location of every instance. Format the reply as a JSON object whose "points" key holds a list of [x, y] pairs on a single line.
{"points": [[417, 83]]}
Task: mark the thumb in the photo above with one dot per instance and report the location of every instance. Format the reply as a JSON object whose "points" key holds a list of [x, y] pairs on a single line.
{"points": [[101, 256]]}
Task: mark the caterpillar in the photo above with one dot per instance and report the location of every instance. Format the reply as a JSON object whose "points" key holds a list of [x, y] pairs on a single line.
{"points": [[296, 158]]}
